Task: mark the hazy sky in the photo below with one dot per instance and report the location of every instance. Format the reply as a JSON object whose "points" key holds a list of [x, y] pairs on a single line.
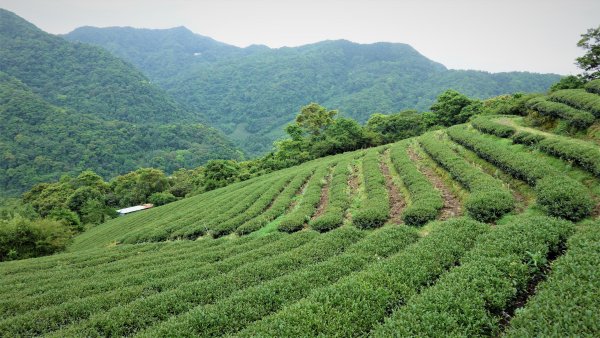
{"points": [[534, 35]]}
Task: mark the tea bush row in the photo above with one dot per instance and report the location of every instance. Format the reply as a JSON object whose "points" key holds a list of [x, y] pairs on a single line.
{"points": [[300, 215], [578, 98], [469, 300], [576, 118], [560, 195], [338, 200], [355, 304], [489, 199], [375, 208], [425, 201], [244, 307], [567, 304]]}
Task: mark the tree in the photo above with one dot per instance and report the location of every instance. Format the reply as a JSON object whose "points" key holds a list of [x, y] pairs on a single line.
{"points": [[568, 82], [219, 173], [448, 108], [590, 61], [314, 118]]}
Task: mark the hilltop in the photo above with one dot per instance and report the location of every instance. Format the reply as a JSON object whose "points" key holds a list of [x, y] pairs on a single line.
{"points": [[488, 228], [251, 93], [66, 107]]}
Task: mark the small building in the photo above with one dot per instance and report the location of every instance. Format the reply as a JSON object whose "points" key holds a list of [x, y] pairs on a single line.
{"points": [[129, 210]]}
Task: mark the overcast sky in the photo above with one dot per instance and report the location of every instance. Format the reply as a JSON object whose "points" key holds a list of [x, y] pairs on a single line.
{"points": [[525, 35]]}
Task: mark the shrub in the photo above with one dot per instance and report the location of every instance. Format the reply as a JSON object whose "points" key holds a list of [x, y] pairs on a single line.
{"points": [[469, 299], [567, 303], [578, 98], [425, 200], [593, 86], [486, 125], [375, 209], [576, 118], [562, 198], [560, 195], [22, 238], [488, 199], [161, 198]]}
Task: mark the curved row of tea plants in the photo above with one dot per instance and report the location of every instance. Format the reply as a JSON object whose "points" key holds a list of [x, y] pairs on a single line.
{"points": [[489, 199], [279, 205], [424, 201], [584, 154], [567, 303], [355, 304], [301, 214], [143, 312], [559, 194], [165, 287], [578, 98], [338, 199], [593, 86], [375, 208], [246, 306], [470, 299], [576, 118], [124, 273]]}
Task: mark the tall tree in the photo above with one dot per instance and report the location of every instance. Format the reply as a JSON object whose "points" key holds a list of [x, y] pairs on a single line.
{"points": [[590, 61], [314, 118]]}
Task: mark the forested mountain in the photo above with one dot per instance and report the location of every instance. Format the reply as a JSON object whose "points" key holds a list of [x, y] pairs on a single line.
{"points": [[66, 107], [251, 92]]}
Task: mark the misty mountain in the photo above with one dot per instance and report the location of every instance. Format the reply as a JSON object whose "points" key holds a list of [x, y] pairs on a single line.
{"points": [[251, 93], [66, 107]]}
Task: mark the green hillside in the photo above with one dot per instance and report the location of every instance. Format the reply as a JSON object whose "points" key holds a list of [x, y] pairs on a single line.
{"points": [[250, 93], [489, 228], [66, 107]]}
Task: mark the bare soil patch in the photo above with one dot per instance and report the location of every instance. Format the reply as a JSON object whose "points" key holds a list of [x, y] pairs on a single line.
{"points": [[397, 203], [324, 201], [452, 207]]}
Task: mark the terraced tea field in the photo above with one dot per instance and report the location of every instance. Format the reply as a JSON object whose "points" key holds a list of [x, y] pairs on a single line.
{"points": [[484, 229]]}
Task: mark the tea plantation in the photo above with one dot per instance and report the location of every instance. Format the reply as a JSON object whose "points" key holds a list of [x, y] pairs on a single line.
{"points": [[489, 228]]}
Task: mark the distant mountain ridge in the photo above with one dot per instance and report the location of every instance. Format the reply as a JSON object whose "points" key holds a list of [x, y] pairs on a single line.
{"points": [[250, 93], [66, 107]]}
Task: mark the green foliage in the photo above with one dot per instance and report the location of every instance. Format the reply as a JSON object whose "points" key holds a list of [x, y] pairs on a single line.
{"points": [[590, 61], [593, 86], [66, 107], [314, 118], [578, 98], [161, 198], [250, 93], [307, 205], [576, 118], [337, 201], [562, 305], [486, 125], [469, 299], [425, 200], [452, 107], [352, 306], [256, 302], [560, 195], [568, 82], [375, 208], [22, 238], [488, 199], [395, 127], [562, 198], [582, 153]]}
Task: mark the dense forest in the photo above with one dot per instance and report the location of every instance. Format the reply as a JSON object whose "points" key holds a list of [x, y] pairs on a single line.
{"points": [[66, 107], [251, 93]]}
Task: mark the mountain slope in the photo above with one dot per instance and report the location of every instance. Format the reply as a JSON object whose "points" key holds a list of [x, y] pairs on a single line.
{"points": [[66, 107], [320, 249], [252, 92]]}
